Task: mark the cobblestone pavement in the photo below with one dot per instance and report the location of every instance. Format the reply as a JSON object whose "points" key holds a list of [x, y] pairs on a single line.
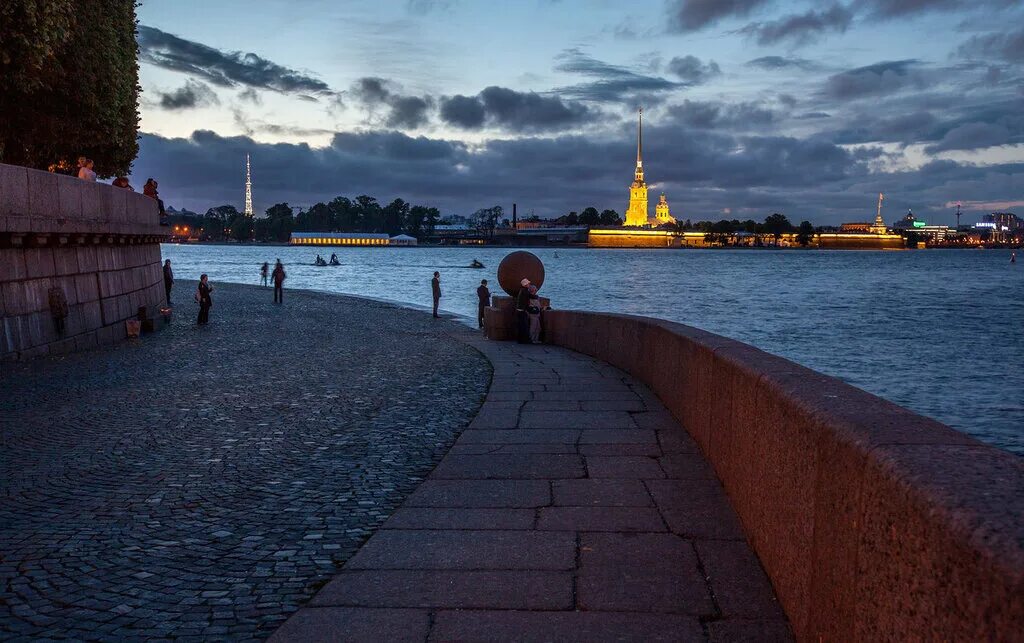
{"points": [[573, 508], [203, 482]]}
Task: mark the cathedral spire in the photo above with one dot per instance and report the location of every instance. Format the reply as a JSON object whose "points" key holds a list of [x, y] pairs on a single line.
{"points": [[640, 139]]}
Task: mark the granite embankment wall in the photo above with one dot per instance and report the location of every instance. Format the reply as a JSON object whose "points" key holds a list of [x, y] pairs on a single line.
{"points": [[873, 522], [96, 244]]}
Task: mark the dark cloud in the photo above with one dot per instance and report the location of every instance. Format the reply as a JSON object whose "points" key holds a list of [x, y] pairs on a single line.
{"points": [[802, 28], [1007, 46], [720, 115], [972, 136], [613, 83], [514, 111], [900, 8], [190, 95], [702, 172], [781, 62], [692, 15], [692, 71], [880, 78], [250, 95], [463, 111], [403, 111], [223, 68]]}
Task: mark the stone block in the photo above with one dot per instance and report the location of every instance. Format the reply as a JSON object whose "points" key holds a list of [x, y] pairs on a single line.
{"points": [[69, 198], [460, 518], [749, 631], [39, 262], [12, 265], [519, 436], [92, 315], [109, 309], [620, 436], [93, 201], [540, 466], [86, 288], [568, 627], [85, 341], [481, 493], [940, 549], [10, 335], [625, 589], [65, 261], [695, 508], [529, 590], [686, 466], [650, 449], [87, 262], [634, 405], [575, 420], [599, 518], [43, 197], [14, 191], [522, 550], [600, 493], [738, 581], [634, 467], [350, 624]]}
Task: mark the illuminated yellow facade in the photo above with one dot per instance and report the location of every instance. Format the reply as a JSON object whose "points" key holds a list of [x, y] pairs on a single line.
{"points": [[338, 239], [661, 213], [636, 214]]}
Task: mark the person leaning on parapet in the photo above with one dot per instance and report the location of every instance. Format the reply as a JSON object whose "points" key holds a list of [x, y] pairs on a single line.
{"points": [[204, 300], [85, 170], [168, 279], [278, 282], [264, 272], [522, 317], [435, 287], [483, 295], [122, 182]]}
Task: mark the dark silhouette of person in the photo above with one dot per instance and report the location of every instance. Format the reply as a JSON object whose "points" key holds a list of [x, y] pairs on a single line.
{"points": [[278, 282], [334, 260], [483, 296], [435, 286], [264, 272], [522, 316], [205, 301], [168, 279]]}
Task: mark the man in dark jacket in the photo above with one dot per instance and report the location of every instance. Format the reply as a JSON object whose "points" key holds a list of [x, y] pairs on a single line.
{"points": [[435, 286], [483, 296], [168, 280], [278, 277], [522, 317]]}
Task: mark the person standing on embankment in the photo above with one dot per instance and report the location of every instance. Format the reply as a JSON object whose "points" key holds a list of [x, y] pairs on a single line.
{"points": [[168, 279], [483, 295], [204, 299], [279, 282], [435, 287]]}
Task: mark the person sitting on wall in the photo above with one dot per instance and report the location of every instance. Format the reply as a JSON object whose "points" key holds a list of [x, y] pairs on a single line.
{"points": [[533, 311], [86, 172], [150, 190], [522, 317], [122, 182]]}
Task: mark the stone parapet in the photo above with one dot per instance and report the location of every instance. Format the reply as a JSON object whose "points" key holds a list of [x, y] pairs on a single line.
{"points": [[873, 522], [92, 246]]}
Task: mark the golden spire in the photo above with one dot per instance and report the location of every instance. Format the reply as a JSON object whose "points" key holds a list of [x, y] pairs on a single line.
{"points": [[640, 139]]}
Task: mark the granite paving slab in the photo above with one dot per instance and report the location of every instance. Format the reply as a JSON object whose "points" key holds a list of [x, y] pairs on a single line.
{"points": [[204, 481], [591, 517]]}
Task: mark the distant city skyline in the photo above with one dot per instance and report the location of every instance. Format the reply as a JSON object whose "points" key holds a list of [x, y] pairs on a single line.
{"points": [[750, 107]]}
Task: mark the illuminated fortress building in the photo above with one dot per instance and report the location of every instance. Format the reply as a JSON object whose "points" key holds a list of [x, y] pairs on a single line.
{"points": [[638, 214]]}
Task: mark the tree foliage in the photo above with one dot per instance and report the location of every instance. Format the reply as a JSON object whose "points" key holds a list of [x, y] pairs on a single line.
{"points": [[69, 84]]}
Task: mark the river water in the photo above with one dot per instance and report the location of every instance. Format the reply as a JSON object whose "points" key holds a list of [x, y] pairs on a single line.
{"points": [[938, 331]]}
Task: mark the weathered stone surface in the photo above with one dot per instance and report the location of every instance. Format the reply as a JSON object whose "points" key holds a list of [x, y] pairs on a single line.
{"points": [[481, 493], [343, 624], [530, 590], [162, 488], [600, 493], [564, 626], [466, 550]]}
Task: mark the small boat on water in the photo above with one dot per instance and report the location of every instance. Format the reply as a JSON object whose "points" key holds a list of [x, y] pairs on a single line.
{"points": [[476, 264]]}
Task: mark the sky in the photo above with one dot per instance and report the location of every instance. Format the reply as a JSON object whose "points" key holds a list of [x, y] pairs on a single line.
{"points": [[809, 108]]}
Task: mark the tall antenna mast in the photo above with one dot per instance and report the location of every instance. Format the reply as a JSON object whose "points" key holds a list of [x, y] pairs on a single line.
{"points": [[248, 188], [957, 215]]}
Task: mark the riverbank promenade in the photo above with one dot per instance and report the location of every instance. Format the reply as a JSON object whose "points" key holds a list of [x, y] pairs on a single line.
{"points": [[209, 482]]}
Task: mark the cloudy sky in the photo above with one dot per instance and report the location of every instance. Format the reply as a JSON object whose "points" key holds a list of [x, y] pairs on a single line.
{"points": [[750, 106]]}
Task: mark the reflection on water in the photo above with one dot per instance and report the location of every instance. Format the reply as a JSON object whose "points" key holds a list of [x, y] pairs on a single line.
{"points": [[941, 332]]}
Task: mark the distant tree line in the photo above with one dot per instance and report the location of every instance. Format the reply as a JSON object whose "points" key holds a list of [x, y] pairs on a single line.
{"points": [[774, 226], [69, 83], [590, 217], [341, 214]]}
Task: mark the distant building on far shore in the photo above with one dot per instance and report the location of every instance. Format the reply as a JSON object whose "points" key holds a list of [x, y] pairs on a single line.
{"points": [[638, 213]]}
